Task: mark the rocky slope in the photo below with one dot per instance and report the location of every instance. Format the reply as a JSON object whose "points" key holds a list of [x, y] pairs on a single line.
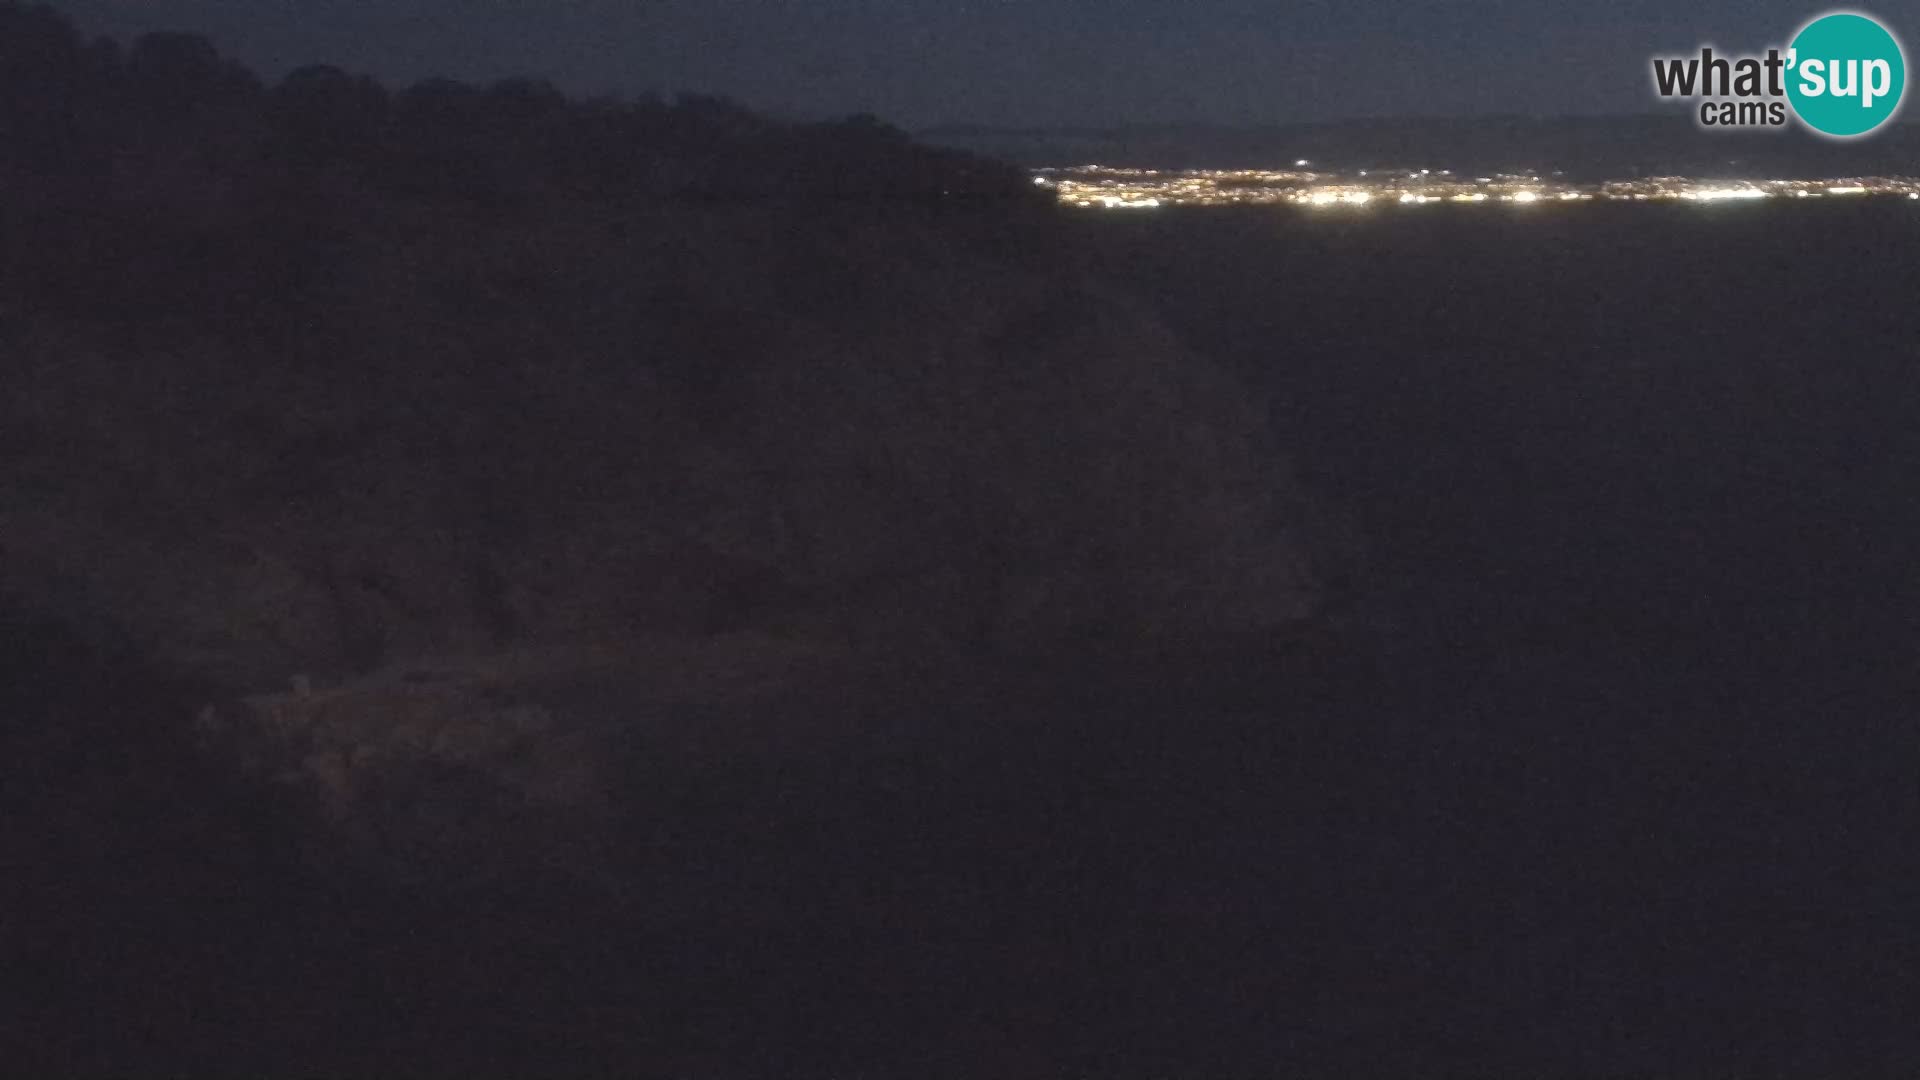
{"points": [[660, 421], [314, 387]]}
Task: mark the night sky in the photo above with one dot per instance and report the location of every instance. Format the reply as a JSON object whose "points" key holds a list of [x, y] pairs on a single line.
{"points": [[1009, 62]]}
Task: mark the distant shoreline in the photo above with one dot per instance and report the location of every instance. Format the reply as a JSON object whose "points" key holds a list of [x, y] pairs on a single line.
{"points": [[1107, 187], [1587, 149]]}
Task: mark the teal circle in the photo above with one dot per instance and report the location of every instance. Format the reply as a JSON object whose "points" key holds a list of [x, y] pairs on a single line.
{"points": [[1849, 49]]}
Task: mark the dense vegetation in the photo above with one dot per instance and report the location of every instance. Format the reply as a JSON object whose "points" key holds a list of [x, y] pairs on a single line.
{"points": [[319, 378], [463, 537], [159, 185]]}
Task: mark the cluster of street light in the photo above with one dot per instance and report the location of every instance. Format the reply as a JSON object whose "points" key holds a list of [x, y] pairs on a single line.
{"points": [[1107, 187]]}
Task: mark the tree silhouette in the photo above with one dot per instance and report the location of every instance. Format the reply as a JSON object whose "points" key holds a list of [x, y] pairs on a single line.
{"points": [[40, 82], [175, 75], [322, 116]]}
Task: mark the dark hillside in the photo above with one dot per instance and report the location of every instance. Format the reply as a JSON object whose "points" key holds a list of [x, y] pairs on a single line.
{"points": [[498, 580], [379, 376]]}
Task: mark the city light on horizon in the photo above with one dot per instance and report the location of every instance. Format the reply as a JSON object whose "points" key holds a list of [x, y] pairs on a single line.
{"points": [[1717, 194], [1108, 187]]}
